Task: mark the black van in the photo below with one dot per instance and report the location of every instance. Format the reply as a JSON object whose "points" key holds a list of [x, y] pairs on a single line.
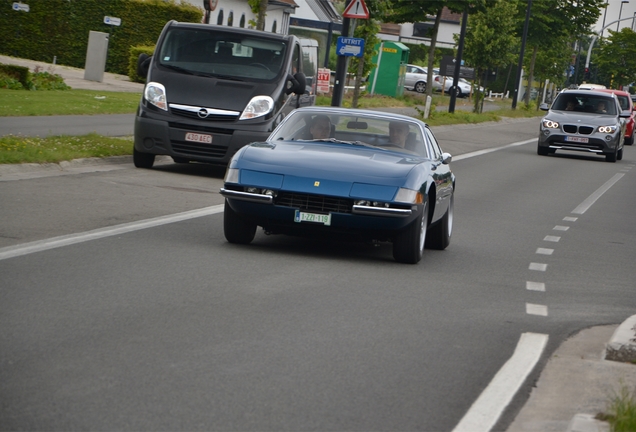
{"points": [[212, 89]]}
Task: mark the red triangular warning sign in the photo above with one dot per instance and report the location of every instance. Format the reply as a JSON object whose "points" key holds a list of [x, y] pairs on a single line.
{"points": [[356, 9]]}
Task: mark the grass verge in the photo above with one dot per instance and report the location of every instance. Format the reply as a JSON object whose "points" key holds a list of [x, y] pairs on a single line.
{"points": [[621, 411], [15, 149], [66, 102]]}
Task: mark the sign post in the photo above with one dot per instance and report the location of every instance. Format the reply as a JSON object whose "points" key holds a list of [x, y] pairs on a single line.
{"points": [[353, 9]]}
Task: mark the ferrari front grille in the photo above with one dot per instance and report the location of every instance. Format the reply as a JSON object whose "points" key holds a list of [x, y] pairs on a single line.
{"points": [[314, 203]]}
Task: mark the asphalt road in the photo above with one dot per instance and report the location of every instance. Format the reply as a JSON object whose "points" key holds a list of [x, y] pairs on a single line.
{"points": [[171, 328]]}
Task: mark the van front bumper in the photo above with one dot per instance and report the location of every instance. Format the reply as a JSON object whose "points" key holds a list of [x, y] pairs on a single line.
{"points": [[191, 141]]}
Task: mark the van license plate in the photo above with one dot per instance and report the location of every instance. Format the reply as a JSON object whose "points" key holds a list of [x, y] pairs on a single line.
{"points": [[577, 139], [324, 219], [197, 137]]}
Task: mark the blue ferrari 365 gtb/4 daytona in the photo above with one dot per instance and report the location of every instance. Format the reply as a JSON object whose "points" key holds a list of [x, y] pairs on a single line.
{"points": [[357, 174]]}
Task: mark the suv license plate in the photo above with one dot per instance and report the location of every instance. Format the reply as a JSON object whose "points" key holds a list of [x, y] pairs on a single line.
{"points": [[577, 139], [197, 137], [324, 219]]}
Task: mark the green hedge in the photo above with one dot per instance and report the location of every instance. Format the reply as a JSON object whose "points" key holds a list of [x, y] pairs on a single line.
{"points": [[132, 62], [18, 73], [59, 29]]}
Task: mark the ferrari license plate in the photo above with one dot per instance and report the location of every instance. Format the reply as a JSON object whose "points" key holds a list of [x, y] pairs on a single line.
{"points": [[577, 139], [324, 219], [197, 137]]}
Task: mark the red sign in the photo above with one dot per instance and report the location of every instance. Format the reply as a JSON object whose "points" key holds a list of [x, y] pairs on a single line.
{"points": [[356, 9], [324, 76]]}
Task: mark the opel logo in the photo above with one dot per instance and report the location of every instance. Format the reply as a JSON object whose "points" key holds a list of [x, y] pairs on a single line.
{"points": [[203, 113]]}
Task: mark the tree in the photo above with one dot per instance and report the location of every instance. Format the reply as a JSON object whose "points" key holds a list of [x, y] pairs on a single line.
{"points": [[259, 8], [553, 20], [490, 39], [418, 10], [616, 57]]}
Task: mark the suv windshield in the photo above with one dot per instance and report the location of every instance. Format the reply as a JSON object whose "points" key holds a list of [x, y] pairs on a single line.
{"points": [[585, 103], [227, 55]]}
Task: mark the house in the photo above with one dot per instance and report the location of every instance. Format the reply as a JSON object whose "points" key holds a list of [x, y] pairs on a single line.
{"points": [[419, 32]]}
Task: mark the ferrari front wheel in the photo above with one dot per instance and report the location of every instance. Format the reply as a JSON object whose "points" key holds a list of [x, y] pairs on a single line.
{"points": [[236, 229], [408, 244], [440, 233]]}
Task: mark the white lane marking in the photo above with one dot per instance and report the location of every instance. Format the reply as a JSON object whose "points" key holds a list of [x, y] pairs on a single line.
{"points": [[538, 266], [55, 242], [561, 228], [483, 152], [535, 309], [486, 410], [585, 205], [535, 286], [554, 239], [570, 219], [545, 251]]}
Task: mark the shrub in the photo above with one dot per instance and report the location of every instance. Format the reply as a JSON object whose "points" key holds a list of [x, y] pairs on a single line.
{"points": [[135, 51]]}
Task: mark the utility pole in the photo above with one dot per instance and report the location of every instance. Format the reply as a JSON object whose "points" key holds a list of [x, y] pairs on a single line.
{"points": [[341, 67], [458, 62], [523, 47]]}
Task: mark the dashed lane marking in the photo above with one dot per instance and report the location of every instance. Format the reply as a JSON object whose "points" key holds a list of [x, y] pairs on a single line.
{"points": [[545, 251], [536, 309], [535, 286], [538, 267], [554, 239]]}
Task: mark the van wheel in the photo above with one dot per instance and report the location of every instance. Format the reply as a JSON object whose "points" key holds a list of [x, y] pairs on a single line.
{"points": [[236, 229], [408, 244], [143, 160]]}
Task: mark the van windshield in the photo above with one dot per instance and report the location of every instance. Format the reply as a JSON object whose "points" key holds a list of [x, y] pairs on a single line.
{"points": [[223, 54]]}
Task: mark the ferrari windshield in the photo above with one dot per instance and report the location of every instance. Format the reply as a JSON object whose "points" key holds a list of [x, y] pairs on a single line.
{"points": [[382, 132], [223, 54]]}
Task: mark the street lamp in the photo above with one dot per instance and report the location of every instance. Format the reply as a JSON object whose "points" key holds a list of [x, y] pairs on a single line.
{"points": [[633, 20], [620, 13], [604, 15]]}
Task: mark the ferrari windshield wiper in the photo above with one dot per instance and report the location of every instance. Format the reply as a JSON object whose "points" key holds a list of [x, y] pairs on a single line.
{"points": [[337, 141]]}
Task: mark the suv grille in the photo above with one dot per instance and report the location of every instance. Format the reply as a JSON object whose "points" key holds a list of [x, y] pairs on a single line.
{"points": [[314, 203], [583, 130]]}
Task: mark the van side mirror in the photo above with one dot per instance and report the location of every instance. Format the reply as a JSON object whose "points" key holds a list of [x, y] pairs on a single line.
{"points": [[143, 64], [298, 83]]}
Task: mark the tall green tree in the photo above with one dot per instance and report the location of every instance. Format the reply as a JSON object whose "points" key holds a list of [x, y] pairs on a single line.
{"points": [[404, 11], [617, 57], [489, 40], [552, 20]]}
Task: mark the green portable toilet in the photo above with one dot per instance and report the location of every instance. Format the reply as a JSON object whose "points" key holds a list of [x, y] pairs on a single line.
{"points": [[387, 78]]}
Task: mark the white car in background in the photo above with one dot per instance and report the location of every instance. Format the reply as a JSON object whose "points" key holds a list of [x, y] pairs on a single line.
{"points": [[415, 78]]}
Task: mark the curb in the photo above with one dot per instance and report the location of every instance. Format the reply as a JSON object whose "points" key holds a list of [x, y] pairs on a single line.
{"points": [[622, 345]]}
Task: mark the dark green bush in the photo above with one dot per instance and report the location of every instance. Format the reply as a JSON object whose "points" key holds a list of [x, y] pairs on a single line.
{"points": [[47, 81], [18, 73], [135, 51]]}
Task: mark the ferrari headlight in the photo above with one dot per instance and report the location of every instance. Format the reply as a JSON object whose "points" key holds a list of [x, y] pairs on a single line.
{"points": [[258, 107], [155, 93], [409, 196], [550, 124], [232, 175], [607, 129]]}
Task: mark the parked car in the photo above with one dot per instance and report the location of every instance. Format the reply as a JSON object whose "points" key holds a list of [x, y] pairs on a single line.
{"points": [[415, 78], [463, 87], [576, 122], [626, 103], [370, 175]]}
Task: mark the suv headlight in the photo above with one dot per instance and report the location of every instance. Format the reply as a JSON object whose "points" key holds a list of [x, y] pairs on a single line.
{"points": [[549, 124], [155, 93], [607, 129], [258, 107]]}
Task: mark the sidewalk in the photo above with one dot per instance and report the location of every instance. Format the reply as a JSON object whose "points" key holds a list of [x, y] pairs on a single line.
{"points": [[577, 382], [74, 77]]}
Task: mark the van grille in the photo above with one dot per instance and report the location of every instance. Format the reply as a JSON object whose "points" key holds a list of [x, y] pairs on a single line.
{"points": [[211, 117], [188, 148]]}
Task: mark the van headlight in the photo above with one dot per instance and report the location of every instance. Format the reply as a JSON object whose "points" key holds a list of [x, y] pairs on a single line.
{"points": [[258, 107], [155, 93]]}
